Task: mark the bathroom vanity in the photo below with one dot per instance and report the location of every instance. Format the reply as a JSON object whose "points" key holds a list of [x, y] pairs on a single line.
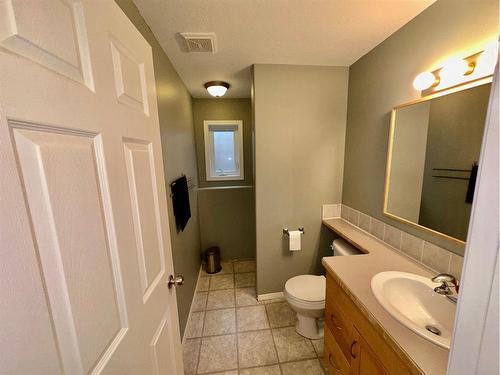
{"points": [[361, 337]]}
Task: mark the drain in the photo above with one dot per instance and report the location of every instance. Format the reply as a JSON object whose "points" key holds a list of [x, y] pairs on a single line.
{"points": [[433, 330]]}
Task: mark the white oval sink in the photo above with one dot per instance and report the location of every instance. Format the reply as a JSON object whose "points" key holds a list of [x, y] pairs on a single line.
{"points": [[412, 301]]}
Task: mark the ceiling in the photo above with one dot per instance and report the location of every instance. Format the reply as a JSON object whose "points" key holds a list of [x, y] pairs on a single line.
{"points": [[297, 32]]}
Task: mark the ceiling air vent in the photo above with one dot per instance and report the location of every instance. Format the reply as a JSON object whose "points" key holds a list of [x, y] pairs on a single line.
{"points": [[200, 42]]}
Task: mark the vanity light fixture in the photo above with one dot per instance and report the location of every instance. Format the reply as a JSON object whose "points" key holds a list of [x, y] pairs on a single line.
{"points": [[450, 73], [459, 71], [217, 88]]}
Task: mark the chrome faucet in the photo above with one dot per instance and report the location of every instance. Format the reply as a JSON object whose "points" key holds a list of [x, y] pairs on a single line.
{"points": [[445, 279]]}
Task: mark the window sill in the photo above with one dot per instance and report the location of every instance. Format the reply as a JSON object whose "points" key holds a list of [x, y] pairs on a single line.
{"points": [[226, 187], [225, 178]]}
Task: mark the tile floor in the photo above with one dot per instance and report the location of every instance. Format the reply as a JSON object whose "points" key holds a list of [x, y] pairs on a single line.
{"points": [[231, 333]]}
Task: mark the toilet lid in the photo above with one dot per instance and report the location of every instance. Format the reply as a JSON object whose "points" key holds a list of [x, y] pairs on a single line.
{"points": [[307, 287]]}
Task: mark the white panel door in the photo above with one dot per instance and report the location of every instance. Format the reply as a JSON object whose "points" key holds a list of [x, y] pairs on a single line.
{"points": [[84, 241]]}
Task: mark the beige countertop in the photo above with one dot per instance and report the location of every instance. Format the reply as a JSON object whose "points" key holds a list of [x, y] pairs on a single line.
{"points": [[355, 274]]}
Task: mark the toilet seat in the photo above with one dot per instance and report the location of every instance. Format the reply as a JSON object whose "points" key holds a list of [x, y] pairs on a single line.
{"points": [[307, 305], [307, 289]]}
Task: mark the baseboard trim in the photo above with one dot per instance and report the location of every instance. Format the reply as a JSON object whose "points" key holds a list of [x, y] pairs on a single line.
{"points": [[191, 307], [268, 296]]}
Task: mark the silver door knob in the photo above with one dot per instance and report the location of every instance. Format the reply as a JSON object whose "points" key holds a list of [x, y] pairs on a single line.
{"points": [[175, 281]]}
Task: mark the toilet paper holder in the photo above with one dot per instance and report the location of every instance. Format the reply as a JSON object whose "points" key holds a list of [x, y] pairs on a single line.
{"points": [[285, 231]]}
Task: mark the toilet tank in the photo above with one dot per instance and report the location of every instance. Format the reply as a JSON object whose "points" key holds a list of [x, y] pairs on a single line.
{"points": [[341, 247]]}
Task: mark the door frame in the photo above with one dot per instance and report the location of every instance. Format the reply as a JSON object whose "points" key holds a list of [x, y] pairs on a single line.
{"points": [[476, 321]]}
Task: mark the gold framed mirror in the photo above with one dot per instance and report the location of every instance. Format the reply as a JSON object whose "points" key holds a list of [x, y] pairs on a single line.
{"points": [[433, 151]]}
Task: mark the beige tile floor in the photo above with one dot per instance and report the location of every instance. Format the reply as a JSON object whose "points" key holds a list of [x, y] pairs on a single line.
{"points": [[231, 333]]}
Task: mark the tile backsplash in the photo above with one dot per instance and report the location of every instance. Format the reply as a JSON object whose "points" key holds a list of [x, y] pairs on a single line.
{"points": [[426, 253]]}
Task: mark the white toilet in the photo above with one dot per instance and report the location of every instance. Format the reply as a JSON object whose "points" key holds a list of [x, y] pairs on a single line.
{"points": [[306, 295]]}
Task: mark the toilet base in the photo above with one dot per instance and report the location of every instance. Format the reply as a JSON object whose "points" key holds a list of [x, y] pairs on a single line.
{"points": [[309, 327]]}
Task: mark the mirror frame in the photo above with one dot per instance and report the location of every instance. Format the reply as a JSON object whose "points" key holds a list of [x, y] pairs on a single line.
{"points": [[465, 86]]}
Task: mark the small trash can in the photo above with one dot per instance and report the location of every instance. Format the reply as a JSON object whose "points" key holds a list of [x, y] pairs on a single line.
{"points": [[212, 260]]}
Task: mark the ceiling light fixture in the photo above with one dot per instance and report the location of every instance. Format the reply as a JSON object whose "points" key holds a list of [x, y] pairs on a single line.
{"points": [[217, 88]]}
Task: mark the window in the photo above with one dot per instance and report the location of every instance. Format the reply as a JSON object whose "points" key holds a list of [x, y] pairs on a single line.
{"points": [[224, 150]]}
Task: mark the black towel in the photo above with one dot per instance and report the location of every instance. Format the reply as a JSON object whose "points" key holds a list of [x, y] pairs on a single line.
{"points": [[469, 196], [180, 198]]}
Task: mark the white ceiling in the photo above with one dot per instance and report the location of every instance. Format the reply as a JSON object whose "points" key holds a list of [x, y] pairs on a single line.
{"points": [[298, 32]]}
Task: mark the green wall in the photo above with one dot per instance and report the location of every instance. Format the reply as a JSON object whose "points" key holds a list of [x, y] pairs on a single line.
{"points": [[226, 208], [300, 119], [177, 136], [227, 220], [383, 79]]}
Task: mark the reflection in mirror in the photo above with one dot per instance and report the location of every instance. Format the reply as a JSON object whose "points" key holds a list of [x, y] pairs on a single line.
{"points": [[432, 162]]}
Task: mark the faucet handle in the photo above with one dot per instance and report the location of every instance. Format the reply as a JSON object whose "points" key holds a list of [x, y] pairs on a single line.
{"points": [[445, 279]]}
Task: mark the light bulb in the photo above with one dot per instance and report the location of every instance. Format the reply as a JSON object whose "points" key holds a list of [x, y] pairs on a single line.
{"points": [[487, 60], [424, 80], [454, 69]]}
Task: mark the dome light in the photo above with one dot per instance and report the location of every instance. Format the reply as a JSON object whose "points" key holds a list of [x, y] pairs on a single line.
{"points": [[424, 81], [217, 88]]}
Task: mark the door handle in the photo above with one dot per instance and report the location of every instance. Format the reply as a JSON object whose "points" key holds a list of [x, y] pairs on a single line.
{"points": [[175, 281]]}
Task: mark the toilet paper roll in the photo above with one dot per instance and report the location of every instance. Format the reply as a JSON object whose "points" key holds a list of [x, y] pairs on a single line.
{"points": [[294, 237]]}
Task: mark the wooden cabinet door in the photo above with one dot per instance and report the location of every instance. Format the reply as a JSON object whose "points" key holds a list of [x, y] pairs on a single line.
{"points": [[364, 361], [333, 355]]}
